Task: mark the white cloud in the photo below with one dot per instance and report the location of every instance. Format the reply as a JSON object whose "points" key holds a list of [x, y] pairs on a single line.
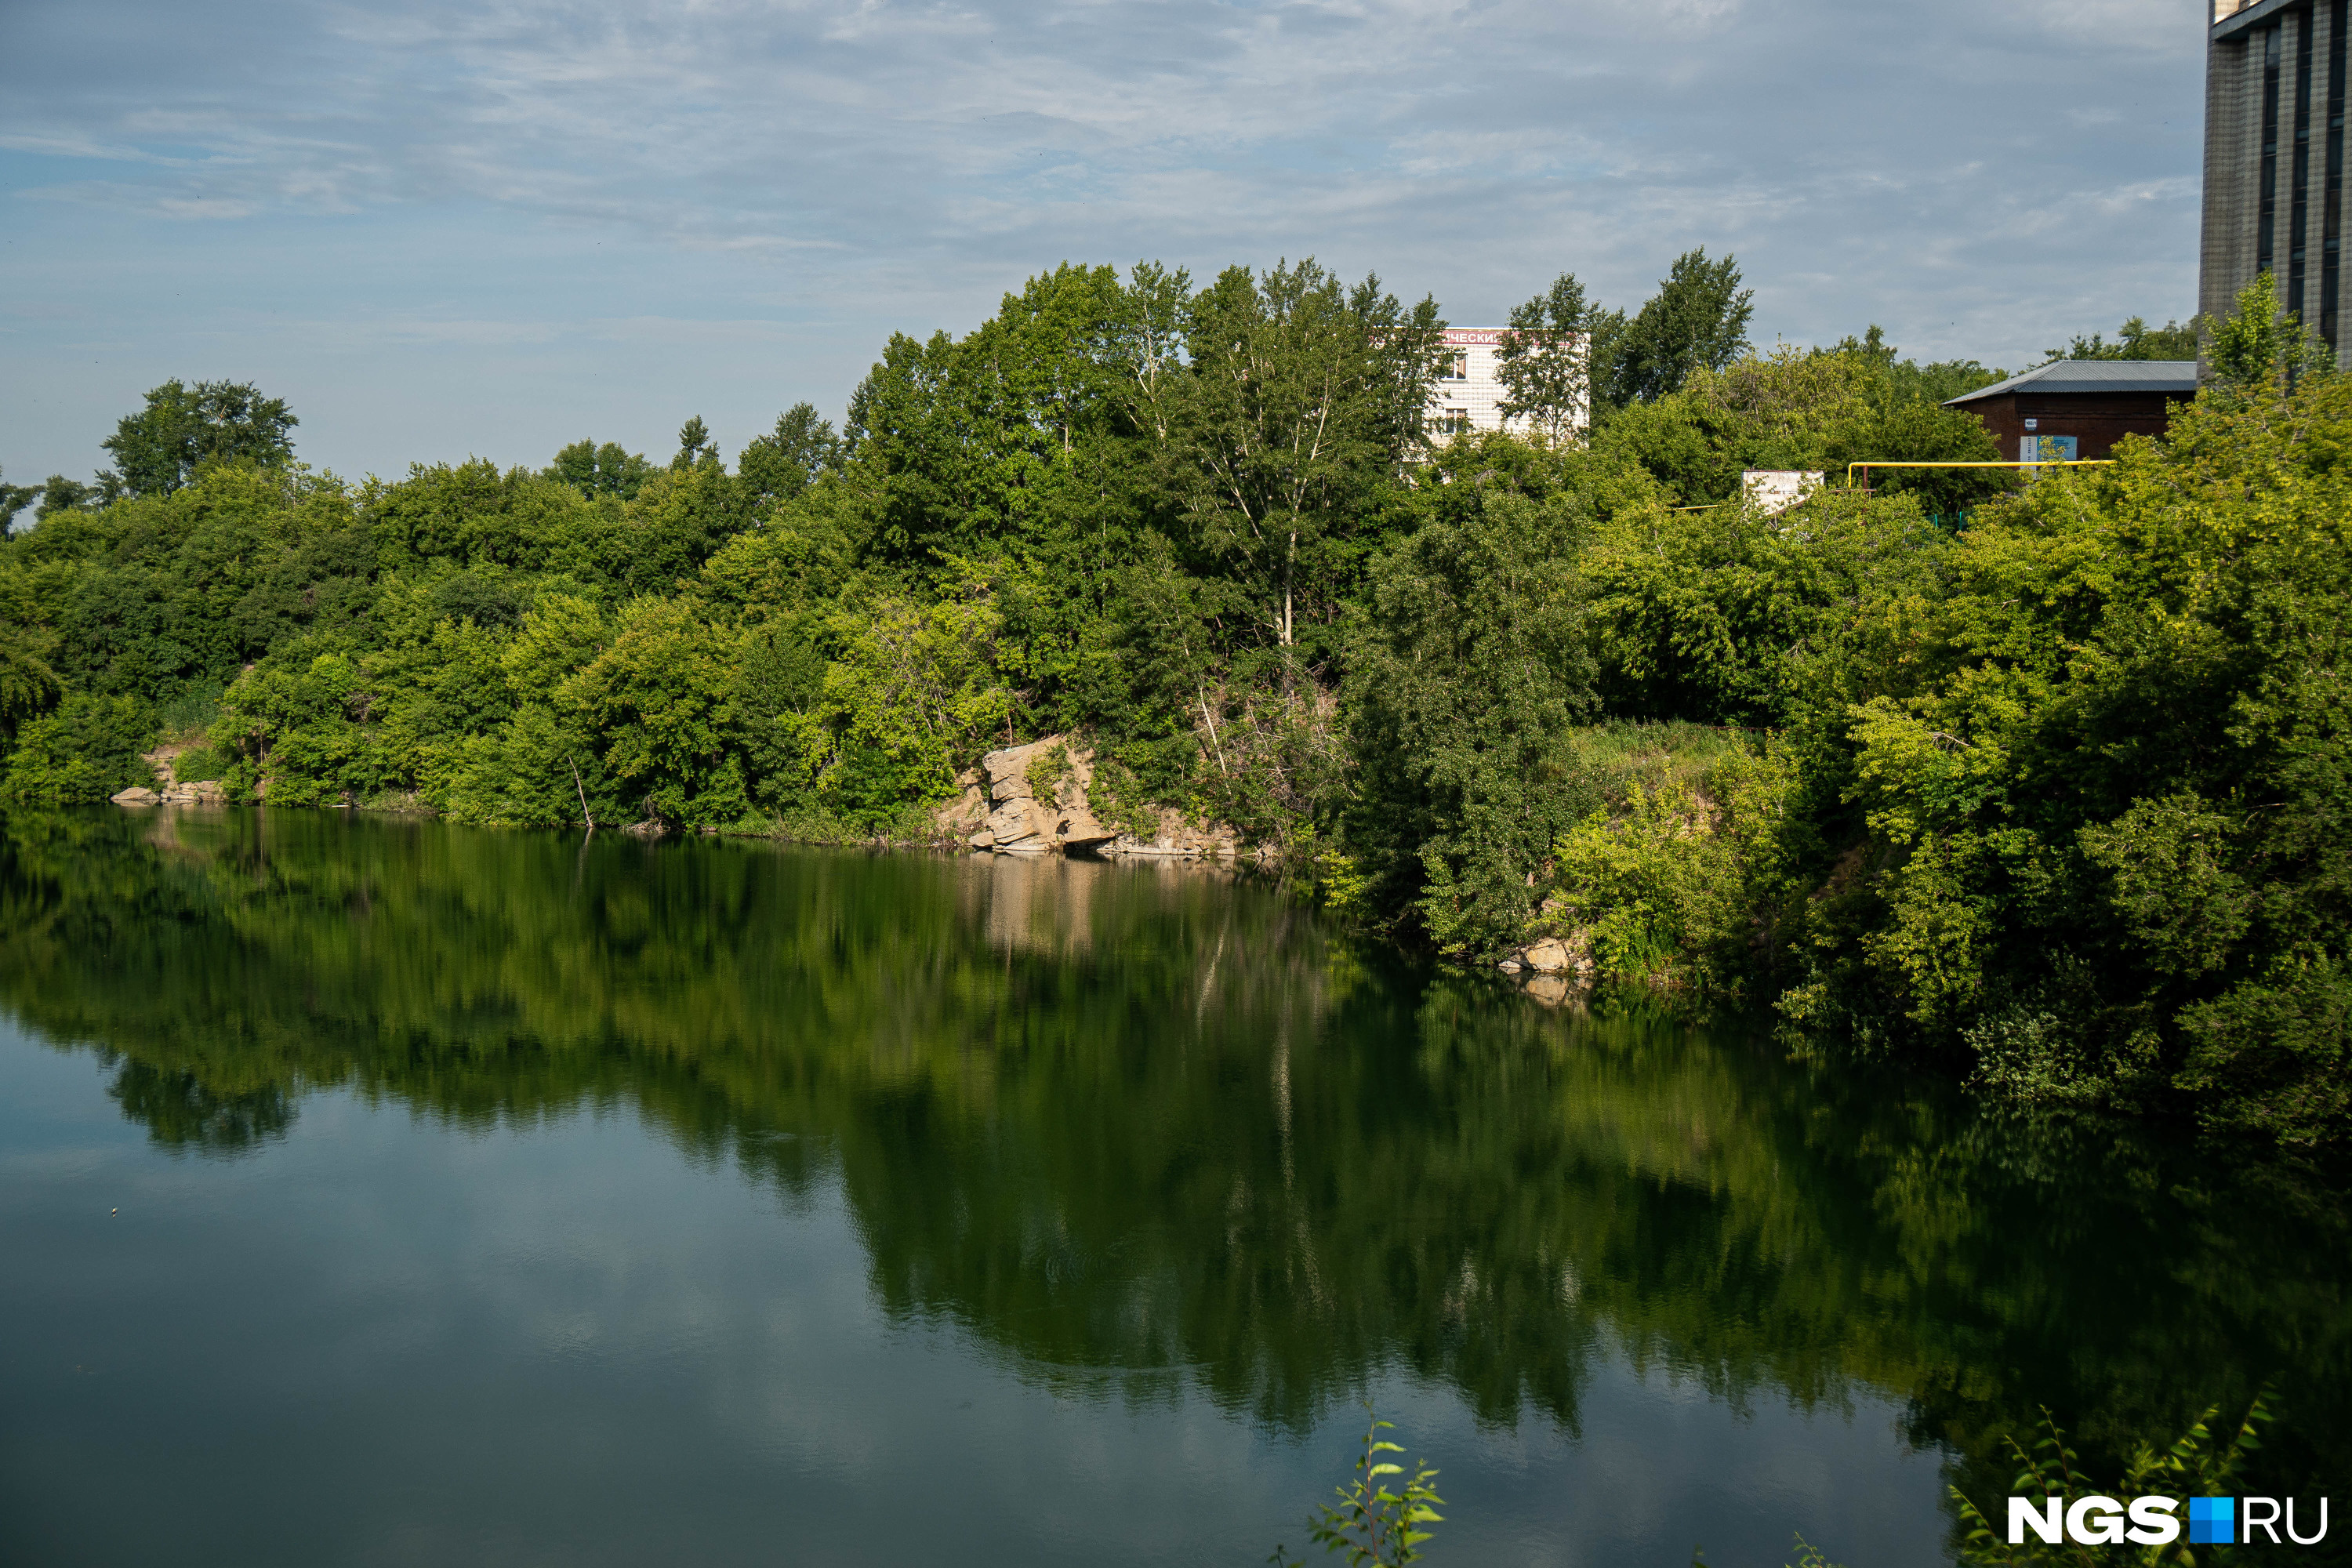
{"points": [[1976, 179]]}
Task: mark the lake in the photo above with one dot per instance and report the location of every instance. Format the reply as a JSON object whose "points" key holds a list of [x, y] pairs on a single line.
{"points": [[377, 1190]]}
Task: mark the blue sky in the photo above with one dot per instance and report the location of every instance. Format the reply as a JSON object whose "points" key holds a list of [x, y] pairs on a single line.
{"points": [[491, 228]]}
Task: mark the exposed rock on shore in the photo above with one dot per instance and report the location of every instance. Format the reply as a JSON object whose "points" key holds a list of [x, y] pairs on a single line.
{"points": [[163, 762], [1178, 836], [207, 792], [1553, 970], [1033, 800]]}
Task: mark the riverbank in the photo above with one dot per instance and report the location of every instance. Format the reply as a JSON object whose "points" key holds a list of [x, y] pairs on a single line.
{"points": [[2053, 804]]}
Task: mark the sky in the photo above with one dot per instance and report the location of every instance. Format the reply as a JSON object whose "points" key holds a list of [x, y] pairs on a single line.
{"points": [[487, 229]]}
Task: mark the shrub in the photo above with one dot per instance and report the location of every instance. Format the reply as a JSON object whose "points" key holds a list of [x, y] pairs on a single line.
{"points": [[2198, 1465], [86, 750], [1274, 765], [1678, 879], [1116, 796], [1468, 683], [1048, 771], [191, 713], [1377, 1525], [1651, 880], [198, 764]]}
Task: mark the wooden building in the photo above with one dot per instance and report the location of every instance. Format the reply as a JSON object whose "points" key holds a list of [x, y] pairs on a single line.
{"points": [[2089, 404]]}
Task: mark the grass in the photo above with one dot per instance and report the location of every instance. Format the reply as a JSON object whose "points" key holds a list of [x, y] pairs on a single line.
{"points": [[1620, 754], [186, 718]]}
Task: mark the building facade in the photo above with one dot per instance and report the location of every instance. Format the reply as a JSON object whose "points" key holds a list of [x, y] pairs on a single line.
{"points": [[1464, 396], [2274, 169], [1467, 395], [2075, 409]]}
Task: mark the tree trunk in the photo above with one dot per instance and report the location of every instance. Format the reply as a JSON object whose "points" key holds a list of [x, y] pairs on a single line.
{"points": [[1289, 568]]}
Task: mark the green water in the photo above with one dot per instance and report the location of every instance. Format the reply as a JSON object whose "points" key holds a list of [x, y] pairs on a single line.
{"points": [[385, 1192]]}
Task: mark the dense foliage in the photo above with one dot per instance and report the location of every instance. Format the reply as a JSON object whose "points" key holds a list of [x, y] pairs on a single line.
{"points": [[2136, 340], [2044, 782]]}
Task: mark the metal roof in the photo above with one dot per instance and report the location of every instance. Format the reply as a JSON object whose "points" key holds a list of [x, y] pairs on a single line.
{"points": [[2246, 13], [2175, 376]]}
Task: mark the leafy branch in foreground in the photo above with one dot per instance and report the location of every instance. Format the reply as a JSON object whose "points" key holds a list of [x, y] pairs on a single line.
{"points": [[1808, 1555], [2196, 1465], [1374, 1523]]}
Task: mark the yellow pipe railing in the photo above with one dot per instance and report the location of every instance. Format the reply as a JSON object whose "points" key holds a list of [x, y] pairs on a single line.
{"points": [[2045, 463]]}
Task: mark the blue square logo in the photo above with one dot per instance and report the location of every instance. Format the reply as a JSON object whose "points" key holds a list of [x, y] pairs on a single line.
{"points": [[2213, 1521]]}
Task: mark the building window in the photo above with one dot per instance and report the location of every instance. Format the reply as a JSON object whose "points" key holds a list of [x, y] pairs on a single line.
{"points": [[1454, 422], [1456, 366], [2331, 229], [2298, 206], [2266, 208]]}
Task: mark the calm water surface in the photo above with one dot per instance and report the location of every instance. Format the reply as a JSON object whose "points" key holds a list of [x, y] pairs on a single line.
{"points": [[498, 1198]]}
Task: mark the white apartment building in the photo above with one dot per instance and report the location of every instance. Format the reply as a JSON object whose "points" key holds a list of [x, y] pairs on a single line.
{"points": [[1467, 392]]}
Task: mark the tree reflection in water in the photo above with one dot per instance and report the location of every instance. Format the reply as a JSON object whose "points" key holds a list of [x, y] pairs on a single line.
{"points": [[1151, 1129]]}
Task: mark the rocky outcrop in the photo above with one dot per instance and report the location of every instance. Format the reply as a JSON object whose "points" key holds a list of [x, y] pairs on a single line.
{"points": [[1180, 837], [1566, 961], [960, 817], [1033, 800], [164, 763], [138, 794], [1035, 797]]}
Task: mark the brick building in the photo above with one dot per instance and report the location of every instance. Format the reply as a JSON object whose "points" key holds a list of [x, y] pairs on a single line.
{"points": [[2093, 402], [1467, 392]]}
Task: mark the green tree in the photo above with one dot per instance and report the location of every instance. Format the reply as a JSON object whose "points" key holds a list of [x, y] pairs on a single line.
{"points": [[2262, 346], [2135, 339], [914, 694], [1545, 359], [14, 498], [1697, 319], [1804, 409], [60, 494], [905, 427], [662, 698], [1464, 692], [28, 687], [693, 445], [472, 515], [1000, 442], [2101, 782], [1903, 381], [781, 465], [1734, 617], [302, 725], [681, 518], [159, 448], [606, 471], [1300, 401], [85, 750]]}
